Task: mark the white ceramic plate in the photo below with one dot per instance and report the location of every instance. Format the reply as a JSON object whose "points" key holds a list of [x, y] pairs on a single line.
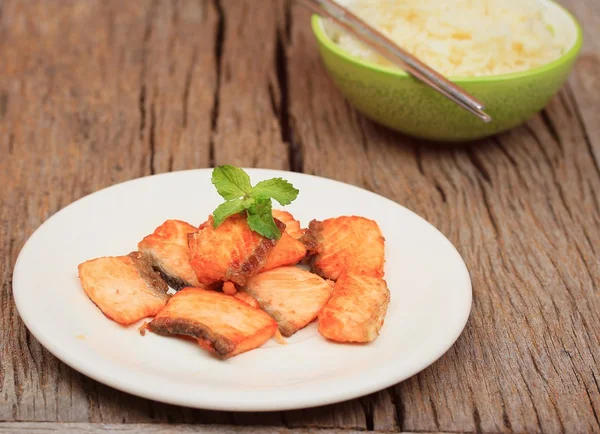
{"points": [[429, 284]]}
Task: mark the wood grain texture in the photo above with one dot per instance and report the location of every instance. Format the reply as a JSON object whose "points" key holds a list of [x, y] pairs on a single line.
{"points": [[98, 92], [160, 429], [248, 131], [93, 93], [522, 209]]}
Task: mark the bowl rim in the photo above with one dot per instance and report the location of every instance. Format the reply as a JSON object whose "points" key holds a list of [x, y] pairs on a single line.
{"points": [[325, 41]]}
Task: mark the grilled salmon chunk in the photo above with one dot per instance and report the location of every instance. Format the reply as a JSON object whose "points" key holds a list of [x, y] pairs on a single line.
{"points": [[292, 296], [247, 298], [222, 324], [356, 310], [125, 288], [346, 244], [292, 226], [230, 252], [287, 251], [168, 248], [229, 288]]}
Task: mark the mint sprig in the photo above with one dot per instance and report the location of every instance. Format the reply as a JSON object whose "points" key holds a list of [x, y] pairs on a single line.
{"points": [[233, 185], [231, 182]]}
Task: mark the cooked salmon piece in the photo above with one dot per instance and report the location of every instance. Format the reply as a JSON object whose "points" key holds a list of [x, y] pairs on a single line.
{"points": [[346, 244], [292, 296], [231, 252], [229, 288], [287, 251], [356, 310], [247, 298], [125, 288], [292, 226], [222, 324], [168, 248]]}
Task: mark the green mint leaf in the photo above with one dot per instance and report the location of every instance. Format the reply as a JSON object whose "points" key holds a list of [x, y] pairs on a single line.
{"points": [[276, 188], [227, 209], [231, 182], [260, 219]]}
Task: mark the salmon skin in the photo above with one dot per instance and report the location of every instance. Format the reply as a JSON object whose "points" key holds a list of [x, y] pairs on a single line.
{"points": [[222, 324], [168, 248]]}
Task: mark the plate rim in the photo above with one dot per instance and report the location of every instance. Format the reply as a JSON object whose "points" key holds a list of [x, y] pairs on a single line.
{"points": [[71, 359]]}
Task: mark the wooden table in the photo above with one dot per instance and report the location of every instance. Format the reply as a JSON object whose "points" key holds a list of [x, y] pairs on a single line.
{"points": [[93, 93]]}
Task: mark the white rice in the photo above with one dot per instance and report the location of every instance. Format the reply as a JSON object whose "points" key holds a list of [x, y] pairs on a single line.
{"points": [[459, 38]]}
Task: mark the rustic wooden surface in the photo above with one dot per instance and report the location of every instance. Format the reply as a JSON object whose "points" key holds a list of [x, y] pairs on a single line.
{"points": [[159, 428], [97, 92]]}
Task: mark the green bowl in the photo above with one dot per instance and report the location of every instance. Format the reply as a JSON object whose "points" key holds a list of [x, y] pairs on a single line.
{"points": [[393, 98]]}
